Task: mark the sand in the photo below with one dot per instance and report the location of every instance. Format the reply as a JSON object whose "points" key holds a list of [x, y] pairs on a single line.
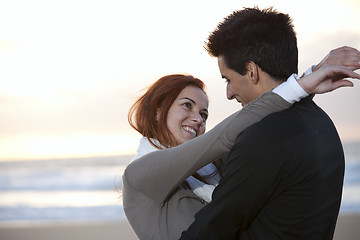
{"points": [[69, 231], [348, 228]]}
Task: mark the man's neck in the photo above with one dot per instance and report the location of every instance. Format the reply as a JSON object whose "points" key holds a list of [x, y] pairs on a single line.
{"points": [[267, 82]]}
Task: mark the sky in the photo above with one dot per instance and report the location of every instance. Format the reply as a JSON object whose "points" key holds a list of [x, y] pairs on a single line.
{"points": [[70, 69]]}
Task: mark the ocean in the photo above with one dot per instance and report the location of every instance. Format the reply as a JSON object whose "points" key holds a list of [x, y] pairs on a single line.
{"points": [[89, 189]]}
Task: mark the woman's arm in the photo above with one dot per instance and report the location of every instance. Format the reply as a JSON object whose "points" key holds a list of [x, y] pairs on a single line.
{"points": [[158, 173]]}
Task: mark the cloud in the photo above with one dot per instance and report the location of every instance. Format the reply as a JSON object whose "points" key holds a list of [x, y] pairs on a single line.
{"points": [[312, 48], [104, 111], [9, 45]]}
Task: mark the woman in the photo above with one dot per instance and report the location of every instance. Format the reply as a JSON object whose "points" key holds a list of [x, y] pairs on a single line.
{"points": [[162, 190], [179, 101]]}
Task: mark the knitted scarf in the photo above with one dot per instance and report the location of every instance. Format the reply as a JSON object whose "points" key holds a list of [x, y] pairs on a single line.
{"points": [[209, 173]]}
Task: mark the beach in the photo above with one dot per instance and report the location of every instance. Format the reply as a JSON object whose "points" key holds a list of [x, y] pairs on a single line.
{"points": [[69, 231], [78, 198], [348, 228]]}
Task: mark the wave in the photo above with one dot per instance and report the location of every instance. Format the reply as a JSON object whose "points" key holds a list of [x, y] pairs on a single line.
{"points": [[85, 188]]}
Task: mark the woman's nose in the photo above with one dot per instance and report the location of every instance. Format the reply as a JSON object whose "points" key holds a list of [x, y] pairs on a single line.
{"points": [[196, 117]]}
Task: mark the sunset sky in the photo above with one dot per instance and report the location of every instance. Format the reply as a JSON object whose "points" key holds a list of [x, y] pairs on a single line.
{"points": [[70, 69]]}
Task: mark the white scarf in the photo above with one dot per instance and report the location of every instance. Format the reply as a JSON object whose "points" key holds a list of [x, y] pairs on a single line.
{"points": [[209, 172]]}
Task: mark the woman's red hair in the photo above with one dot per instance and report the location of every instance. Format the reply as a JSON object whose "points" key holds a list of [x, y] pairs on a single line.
{"points": [[149, 113]]}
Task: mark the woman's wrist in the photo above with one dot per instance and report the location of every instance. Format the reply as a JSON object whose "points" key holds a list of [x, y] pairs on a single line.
{"points": [[291, 90]]}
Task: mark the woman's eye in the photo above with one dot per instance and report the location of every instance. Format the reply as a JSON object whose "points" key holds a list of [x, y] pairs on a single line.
{"points": [[204, 116], [187, 105]]}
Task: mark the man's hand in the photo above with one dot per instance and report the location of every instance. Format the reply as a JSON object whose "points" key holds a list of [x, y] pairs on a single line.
{"points": [[344, 56], [327, 78]]}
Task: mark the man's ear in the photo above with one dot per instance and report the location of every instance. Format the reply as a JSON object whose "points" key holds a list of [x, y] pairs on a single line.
{"points": [[253, 72]]}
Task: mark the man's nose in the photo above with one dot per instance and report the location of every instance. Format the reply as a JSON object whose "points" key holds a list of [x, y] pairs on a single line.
{"points": [[229, 93]]}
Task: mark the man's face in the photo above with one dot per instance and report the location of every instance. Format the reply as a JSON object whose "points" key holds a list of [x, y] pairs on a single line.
{"points": [[239, 87]]}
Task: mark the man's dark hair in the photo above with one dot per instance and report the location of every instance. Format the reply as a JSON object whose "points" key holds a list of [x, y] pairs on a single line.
{"points": [[265, 37]]}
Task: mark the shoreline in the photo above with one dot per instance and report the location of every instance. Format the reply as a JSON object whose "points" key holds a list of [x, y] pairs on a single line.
{"points": [[348, 228]]}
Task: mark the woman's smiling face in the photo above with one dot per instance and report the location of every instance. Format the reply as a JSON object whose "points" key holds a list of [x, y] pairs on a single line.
{"points": [[187, 115]]}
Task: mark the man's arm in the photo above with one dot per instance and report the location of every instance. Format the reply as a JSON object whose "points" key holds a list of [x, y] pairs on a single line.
{"points": [[248, 179], [250, 176]]}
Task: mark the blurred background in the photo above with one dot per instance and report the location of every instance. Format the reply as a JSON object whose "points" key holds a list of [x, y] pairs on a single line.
{"points": [[70, 70]]}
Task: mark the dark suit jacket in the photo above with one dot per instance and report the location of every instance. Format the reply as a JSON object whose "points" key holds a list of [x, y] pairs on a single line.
{"points": [[283, 180]]}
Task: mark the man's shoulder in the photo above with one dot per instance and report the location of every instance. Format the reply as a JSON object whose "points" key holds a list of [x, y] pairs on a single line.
{"points": [[301, 117], [305, 110]]}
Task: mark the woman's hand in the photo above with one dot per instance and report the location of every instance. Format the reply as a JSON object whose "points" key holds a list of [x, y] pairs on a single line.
{"points": [[344, 56], [328, 78]]}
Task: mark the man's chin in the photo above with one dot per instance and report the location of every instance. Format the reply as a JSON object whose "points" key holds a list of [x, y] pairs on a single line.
{"points": [[242, 104]]}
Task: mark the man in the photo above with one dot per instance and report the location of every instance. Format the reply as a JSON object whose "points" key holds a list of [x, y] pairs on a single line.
{"points": [[284, 175]]}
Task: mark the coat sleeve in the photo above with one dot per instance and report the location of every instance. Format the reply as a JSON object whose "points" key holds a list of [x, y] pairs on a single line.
{"points": [[249, 179], [158, 173]]}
